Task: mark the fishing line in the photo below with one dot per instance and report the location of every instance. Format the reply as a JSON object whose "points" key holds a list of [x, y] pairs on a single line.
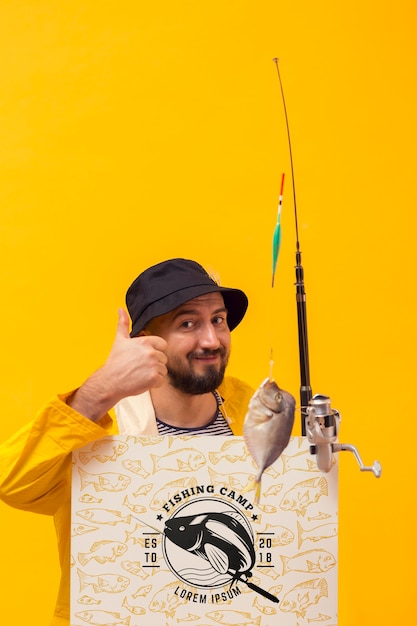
{"points": [[275, 60], [148, 525], [305, 388]]}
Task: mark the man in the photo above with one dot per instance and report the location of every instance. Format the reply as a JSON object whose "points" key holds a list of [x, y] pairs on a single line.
{"points": [[166, 376]]}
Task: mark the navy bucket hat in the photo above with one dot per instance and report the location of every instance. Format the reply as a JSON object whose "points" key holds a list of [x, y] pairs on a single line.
{"points": [[167, 285]]}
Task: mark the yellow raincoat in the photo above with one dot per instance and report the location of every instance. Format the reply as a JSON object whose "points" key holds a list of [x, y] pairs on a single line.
{"points": [[35, 466]]}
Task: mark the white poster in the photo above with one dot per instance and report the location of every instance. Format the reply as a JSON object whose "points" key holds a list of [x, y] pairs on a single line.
{"points": [[164, 531]]}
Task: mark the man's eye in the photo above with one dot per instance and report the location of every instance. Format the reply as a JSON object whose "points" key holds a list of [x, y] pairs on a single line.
{"points": [[187, 324], [219, 320]]}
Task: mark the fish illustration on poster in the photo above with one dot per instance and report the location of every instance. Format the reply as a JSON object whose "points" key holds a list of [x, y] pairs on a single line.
{"points": [[164, 530]]}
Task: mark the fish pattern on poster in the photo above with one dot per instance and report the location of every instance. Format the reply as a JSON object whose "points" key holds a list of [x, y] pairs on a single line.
{"points": [[163, 532]]}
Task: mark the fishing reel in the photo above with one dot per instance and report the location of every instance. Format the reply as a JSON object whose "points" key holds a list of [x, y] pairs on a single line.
{"points": [[322, 428]]}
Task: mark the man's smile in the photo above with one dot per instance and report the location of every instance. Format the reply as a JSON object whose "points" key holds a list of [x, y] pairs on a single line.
{"points": [[209, 356]]}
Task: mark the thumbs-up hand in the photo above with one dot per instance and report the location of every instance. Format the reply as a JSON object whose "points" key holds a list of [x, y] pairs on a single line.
{"points": [[134, 365]]}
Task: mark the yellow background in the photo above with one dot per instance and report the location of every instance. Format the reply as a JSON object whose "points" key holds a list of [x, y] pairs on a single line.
{"points": [[131, 132]]}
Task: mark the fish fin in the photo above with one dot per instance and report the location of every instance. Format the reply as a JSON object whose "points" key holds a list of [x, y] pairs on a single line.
{"points": [[284, 560], [218, 559], [249, 487], [300, 534], [310, 482], [305, 498], [234, 515], [103, 559], [257, 492], [214, 457], [312, 567], [285, 463], [239, 518]]}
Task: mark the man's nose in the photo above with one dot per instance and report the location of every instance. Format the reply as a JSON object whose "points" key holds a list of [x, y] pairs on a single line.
{"points": [[208, 337]]}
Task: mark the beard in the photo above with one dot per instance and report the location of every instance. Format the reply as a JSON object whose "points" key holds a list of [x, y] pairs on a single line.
{"points": [[186, 380]]}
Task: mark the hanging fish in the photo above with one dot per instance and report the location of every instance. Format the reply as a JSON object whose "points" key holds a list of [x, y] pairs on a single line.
{"points": [[267, 427]]}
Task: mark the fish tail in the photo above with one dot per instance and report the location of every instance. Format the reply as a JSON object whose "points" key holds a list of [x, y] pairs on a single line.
{"points": [[155, 462], [257, 491], [84, 478], [323, 486], [82, 577], [253, 485], [323, 586], [300, 534], [83, 558]]}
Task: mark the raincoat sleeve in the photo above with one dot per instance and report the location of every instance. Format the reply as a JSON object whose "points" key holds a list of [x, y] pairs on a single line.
{"points": [[236, 395], [35, 462]]}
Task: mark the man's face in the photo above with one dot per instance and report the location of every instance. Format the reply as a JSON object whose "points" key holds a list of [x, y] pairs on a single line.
{"points": [[198, 339]]}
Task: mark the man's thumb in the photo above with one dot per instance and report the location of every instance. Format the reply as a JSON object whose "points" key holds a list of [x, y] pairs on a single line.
{"points": [[123, 324]]}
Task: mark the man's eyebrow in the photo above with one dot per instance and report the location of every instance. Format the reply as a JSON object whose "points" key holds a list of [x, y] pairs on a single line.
{"points": [[191, 311]]}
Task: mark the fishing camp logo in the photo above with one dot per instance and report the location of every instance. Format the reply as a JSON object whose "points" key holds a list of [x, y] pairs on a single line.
{"points": [[208, 544]]}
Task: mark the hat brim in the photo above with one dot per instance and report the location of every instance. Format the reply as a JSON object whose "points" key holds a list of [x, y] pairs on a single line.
{"points": [[235, 300]]}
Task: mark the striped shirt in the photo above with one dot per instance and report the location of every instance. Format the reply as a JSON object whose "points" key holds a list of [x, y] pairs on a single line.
{"points": [[217, 426]]}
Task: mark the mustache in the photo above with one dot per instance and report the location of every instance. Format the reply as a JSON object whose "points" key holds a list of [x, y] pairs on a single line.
{"points": [[206, 353]]}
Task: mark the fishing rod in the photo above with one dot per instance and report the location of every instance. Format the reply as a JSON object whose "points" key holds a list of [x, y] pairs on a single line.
{"points": [[318, 420], [306, 392]]}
